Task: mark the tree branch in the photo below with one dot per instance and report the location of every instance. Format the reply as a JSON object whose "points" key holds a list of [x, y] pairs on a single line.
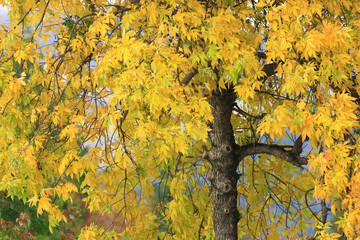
{"points": [[189, 76], [261, 55], [245, 114], [274, 150], [270, 68]]}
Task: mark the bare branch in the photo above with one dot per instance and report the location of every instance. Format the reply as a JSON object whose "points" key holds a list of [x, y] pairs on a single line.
{"points": [[189, 76], [245, 114], [274, 150]]}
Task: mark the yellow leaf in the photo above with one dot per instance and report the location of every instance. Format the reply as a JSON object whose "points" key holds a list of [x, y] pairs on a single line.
{"points": [[261, 4]]}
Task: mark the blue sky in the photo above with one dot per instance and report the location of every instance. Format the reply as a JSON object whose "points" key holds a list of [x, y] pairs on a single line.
{"points": [[3, 14]]}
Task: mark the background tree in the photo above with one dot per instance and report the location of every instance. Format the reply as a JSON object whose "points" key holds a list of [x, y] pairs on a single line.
{"points": [[207, 104]]}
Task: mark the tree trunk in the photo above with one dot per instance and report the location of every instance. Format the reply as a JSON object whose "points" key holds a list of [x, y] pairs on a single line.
{"points": [[224, 161], [225, 156]]}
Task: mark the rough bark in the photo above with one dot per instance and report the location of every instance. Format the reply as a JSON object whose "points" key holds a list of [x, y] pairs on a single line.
{"points": [[224, 161], [225, 156]]}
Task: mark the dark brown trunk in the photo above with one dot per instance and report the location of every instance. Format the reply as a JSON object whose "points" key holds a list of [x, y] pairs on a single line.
{"points": [[224, 161], [225, 155]]}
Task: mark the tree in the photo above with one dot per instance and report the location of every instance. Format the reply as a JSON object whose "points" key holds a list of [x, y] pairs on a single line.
{"points": [[205, 119]]}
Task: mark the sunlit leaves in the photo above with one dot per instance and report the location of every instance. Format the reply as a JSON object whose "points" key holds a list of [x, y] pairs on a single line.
{"points": [[110, 80]]}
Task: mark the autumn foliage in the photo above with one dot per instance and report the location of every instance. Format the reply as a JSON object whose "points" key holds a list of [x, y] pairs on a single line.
{"points": [[121, 102]]}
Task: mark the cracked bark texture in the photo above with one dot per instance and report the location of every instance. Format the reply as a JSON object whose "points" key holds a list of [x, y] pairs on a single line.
{"points": [[224, 161], [225, 156]]}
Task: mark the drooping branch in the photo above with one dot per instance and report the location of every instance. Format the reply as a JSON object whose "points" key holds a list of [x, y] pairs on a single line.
{"points": [[246, 114], [274, 150]]}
